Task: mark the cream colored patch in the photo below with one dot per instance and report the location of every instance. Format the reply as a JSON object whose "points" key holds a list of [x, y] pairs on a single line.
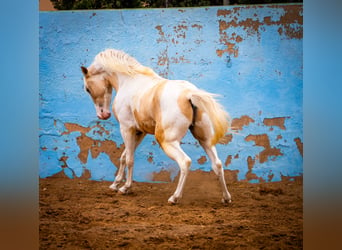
{"points": [[148, 117]]}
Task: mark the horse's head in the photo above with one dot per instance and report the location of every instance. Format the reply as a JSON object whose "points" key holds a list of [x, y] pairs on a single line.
{"points": [[100, 90]]}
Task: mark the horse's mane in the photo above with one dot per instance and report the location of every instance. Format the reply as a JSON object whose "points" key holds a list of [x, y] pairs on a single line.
{"points": [[112, 60]]}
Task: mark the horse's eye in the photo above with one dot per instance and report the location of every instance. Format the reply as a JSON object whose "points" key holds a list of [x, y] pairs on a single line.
{"points": [[88, 90]]}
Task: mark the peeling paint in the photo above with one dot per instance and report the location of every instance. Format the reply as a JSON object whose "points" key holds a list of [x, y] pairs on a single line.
{"points": [[293, 14], [202, 160], [180, 30], [150, 157], [250, 175], [279, 137], [161, 34], [263, 141], [292, 21], [228, 160], [64, 159], [299, 145], [198, 26], [239, 123], [180, 59], [87, 145], [163, 59], [290, 25], [95, 147], [277, 121], [228, 40]]}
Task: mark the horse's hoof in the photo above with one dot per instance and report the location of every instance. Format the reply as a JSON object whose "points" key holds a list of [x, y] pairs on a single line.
{"points": [[123, 190], [113, 187], [226, 201], [172, 201]]}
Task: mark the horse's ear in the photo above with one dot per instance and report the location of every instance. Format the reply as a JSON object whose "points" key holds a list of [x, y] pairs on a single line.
{"points": [[84, 70]]}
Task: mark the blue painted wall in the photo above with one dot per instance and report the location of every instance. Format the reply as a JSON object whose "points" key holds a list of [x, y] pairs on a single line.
{"points": [[251, 55]]}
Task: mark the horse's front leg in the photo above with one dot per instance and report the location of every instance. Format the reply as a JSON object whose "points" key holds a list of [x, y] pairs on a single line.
{"points": [[132, 139], [120, 175]]}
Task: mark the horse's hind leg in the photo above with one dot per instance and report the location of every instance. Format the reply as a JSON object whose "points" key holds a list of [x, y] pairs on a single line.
{"points": [[216, 165], [174, 151]]}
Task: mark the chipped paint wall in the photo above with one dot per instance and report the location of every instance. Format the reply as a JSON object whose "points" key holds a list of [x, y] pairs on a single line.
{"points": [[251, 55]]}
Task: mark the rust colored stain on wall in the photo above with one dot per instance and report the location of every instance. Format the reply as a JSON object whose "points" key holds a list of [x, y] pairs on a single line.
{"points": [[292, 16], [277, 121], [270, 177], [249, 174], [73, 127], [95, 147], [163, 58], [229, 40], [64, 159], [202, 160], [180, 30], [198, 26], [228, 160], [250, 162], [161, 34], [180, 59], [238, 123], [263, 141], [150, 157], [299, 144]]}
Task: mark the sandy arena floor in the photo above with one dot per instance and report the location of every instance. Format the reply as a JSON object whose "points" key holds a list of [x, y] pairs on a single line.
{"points": [[84, 214]]}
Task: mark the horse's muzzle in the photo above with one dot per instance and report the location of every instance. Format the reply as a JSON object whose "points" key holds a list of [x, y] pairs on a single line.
{"points": [[103, 115]]}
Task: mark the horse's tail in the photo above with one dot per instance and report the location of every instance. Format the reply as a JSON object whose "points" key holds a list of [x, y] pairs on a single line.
{"points": [[219, 118]]}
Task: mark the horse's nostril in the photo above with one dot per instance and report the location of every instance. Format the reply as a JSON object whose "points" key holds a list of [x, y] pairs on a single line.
{"points": [[101, 110]]}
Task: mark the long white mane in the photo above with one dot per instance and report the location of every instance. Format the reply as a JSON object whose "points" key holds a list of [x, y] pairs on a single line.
{"points": [[112, 60]]}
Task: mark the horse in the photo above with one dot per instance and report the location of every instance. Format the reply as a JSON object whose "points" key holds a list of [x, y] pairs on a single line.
{"points": [[146, 103]]}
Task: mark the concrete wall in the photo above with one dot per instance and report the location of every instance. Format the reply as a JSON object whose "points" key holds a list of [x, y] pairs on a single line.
{"points": [[251, 55]]}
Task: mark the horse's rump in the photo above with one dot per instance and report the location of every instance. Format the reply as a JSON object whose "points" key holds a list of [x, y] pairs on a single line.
{"points": [[217, 121]]}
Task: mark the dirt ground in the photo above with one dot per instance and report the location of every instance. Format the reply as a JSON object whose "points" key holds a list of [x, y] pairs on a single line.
{"points": [[84, 214]]}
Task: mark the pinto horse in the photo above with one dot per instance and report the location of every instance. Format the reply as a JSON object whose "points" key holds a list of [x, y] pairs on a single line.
{"points": [[146, 103]]}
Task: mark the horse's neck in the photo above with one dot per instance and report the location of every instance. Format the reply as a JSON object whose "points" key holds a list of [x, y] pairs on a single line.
{"points": [[136, 84]]}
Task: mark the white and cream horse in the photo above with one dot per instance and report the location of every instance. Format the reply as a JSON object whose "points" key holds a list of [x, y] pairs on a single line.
{"points": [[146, 103]]}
